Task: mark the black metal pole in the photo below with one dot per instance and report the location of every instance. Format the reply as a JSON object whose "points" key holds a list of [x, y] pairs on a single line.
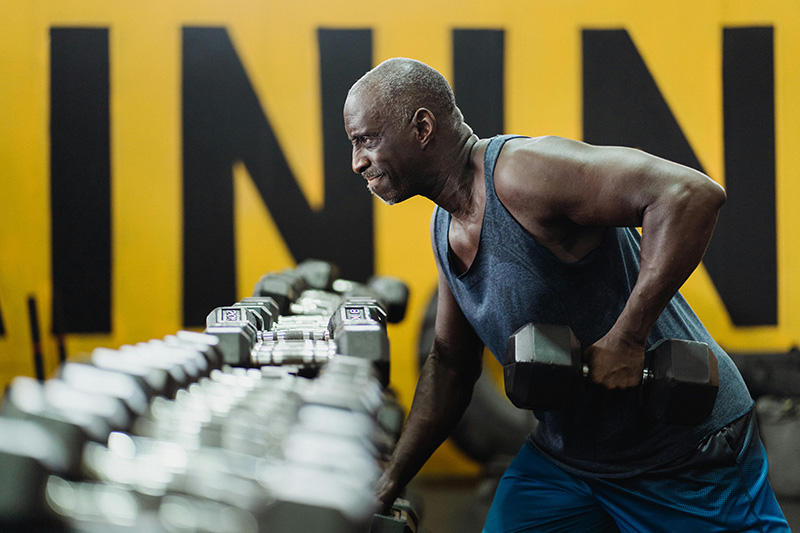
{"points": [[38, 359]]}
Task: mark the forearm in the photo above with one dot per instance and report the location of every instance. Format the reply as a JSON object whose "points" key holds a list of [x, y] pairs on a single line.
{"points": [[676, 231], [442, 395]]}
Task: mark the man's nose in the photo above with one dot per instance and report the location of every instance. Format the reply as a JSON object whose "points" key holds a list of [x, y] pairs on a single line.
{"points": [[360, 162]]}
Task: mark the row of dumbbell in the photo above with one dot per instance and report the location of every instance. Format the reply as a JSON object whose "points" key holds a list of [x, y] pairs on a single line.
{"points": [[356, 327], [305, 315], [46, 427], [203, 418], [287, 286], [358, 316], [277, 451], [103, 444]]}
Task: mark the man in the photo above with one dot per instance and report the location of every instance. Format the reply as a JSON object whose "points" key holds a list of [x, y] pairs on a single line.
{"points": [[540, 230]]}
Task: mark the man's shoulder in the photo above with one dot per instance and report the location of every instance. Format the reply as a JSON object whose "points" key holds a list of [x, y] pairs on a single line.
{"points": [[525, 164], [529, 180], [538, 149]]}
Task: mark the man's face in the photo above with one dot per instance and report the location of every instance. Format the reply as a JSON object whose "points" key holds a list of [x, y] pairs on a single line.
{"points": [[381, 153]]}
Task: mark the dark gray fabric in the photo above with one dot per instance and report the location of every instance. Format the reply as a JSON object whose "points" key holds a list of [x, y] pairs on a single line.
{"points": [[513, 281]]}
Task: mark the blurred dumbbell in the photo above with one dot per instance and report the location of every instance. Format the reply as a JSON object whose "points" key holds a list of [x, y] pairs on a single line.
{"points": [[207, 346], [166, 424], [394, 292], [391, 293], [93, 507], [202, 414], [93, 379], [334, 438], [83, 506], [287, 285], [316, 302], [318, 274], [348, 382], [195, 362], [29, 455], [28, 399], [156, 467], [280, 497], [352, 384], [182, 364], [284, 287], [318, 474], [323, 448], [158, 367], [160, 379], [310, 499], [391, 415]]}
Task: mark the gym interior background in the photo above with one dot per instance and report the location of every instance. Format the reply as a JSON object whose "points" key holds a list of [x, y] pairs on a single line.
{"points": [[158, 156]]}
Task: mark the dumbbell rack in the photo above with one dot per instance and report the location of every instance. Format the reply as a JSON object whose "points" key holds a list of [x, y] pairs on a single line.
{"points": [[277, 418]]}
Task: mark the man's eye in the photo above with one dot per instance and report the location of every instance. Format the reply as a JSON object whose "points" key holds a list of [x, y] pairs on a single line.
{"points": [[363, 141]]}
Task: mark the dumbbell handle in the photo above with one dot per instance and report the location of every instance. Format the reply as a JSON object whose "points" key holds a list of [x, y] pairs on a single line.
{"points": [[647, 374]]}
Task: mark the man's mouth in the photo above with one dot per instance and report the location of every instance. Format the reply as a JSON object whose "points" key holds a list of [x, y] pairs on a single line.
{"points": [[372, 177]]}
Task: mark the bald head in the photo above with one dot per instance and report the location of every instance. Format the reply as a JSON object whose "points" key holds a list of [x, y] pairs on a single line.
{"points": [[400, 86]]}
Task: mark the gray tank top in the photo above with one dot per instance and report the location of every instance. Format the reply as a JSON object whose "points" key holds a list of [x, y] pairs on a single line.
{"points": [[513, 281]]}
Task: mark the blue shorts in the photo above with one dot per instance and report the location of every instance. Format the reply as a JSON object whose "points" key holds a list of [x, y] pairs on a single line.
{"points": [[722, 486]]}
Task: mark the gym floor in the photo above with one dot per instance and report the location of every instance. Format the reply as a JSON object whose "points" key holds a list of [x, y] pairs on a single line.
{"points": [[459, 505]]}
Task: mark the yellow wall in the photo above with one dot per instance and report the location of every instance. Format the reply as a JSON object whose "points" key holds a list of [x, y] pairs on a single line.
{"points": [[680, 41]]}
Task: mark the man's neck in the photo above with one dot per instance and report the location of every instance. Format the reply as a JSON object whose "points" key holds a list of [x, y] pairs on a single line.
{"points": [[454, 190]]}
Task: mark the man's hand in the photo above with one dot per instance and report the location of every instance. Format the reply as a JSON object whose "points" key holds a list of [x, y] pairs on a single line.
{"points": [[387, 493], [615, 361]]}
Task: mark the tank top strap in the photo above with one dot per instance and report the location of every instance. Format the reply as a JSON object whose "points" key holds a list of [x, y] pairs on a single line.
{"points": [[490, 157]]}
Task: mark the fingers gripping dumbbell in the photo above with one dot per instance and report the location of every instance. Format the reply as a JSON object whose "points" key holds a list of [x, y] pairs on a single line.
{"points": [[543, 366], [403, 517]]}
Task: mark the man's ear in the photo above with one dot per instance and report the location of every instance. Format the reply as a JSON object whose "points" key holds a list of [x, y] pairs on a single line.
{"points": [[424, 123]]}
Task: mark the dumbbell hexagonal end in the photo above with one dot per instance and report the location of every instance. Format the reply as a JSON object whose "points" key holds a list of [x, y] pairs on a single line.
{"points": [[394, 293], [358, 327], [268, 303], [684, 381], [542, 366], [236, 330], [319, 274], [280, 288]]}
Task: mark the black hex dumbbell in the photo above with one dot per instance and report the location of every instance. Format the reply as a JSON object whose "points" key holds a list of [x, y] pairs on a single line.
{"points": [[283, 287], [390, 292], [318, 274], [543, 366]]}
